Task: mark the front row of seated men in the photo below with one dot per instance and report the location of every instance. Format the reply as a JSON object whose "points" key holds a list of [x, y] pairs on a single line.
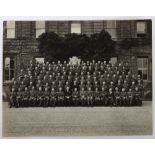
{"points": [[89, 97]]}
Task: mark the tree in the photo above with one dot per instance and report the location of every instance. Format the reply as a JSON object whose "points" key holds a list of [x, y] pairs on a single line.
{"points": [[101, 44], [96, 46], [76, 45], [50, 44]]}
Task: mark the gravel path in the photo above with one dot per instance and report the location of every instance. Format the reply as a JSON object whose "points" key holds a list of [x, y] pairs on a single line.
{"points": [[77, 121]]}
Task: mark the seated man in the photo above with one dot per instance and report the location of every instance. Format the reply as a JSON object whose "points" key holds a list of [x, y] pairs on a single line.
{"points": [[40, 97], [30, 86], [89, 97], [123, 97], [53, 97], [60, 95], [46, 97], [33, 97], [137, 97], [103, 96], [96, 96], [110, 97], [75, 97], [83, 97], [130, 94], [15, 85], [67, 96], [117, 101]]}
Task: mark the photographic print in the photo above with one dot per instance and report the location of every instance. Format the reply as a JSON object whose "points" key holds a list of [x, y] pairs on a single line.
{"points": [[77, 78]]}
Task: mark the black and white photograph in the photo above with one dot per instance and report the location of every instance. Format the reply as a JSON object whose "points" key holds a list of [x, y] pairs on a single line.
{"points": [[82, 78]]}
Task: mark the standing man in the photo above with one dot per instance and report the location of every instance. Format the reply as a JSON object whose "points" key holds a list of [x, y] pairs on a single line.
{"points": [[12, 98], [26, 96]]}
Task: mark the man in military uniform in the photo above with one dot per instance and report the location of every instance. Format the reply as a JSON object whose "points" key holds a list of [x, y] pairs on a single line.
{"points": [[103, 96], [19, 98], [108, 79], [30, 86], [133, 86], [26, 80], [96, 96], [110, 97], [114, 79], [83, 97], [50, 80], [26, 96], [12, 98], [125, 85], [111, 85], [82, 85], [130, 94], [60, 95], [46, 97], [53, 97], [75, 84], [137, 97], [140, 86], [15, 85], [44, 81], [89, 97], [40, 97], [75, 97], [33, 97], [123, 97], [117, 101], [21, 73], [67, 96], [119, 85]]}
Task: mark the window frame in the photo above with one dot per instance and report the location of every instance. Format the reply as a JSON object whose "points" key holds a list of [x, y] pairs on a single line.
{"points": [[112, 27], [39, 28], [80, 27], [141, 34], [10, 69], [143, 68], [8, 28]]}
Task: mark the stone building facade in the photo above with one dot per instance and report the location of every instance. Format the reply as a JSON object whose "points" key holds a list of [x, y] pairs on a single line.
{"points": [[20, 43]]}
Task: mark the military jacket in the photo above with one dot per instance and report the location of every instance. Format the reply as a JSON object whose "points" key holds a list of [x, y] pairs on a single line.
{"points": [[75, 94]]}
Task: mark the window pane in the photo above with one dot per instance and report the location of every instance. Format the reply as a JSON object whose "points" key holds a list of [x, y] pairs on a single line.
{"points": [[145, 63], [6, 74], [76, 28], [7, 62], [10, 24], [111, 24], [7, 68], [141, 27], [140, 62], [12, 63], [11, 74], [112, 32], [145, 75], [40, 60], [39, 32], [10, 33], [140, 72], [40, 24]]}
